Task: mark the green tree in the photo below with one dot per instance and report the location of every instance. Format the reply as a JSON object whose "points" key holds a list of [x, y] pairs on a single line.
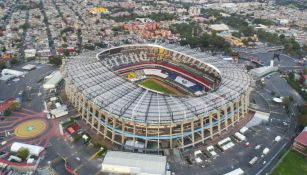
{"points": [[56, 60], [15, 106], [117, 29], [7, 112], [2, 65], [14, 61], [245, 42], [263, 21], [304, 48], [302, 116], [286, 103], [23, 153], [162, 16], [89, 46], [236, 34], [4, 49], [64, 45]]}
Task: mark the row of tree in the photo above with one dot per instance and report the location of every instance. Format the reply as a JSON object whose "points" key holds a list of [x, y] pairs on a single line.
{"points": [[132, 16], [191, 34], [302, 116], [292, 47]]}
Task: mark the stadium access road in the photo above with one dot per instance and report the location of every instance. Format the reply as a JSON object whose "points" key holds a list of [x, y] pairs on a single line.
{"points": [[32, 78]]}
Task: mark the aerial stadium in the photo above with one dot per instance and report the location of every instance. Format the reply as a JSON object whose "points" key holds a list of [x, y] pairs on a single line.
{"points": [[150, 96]]}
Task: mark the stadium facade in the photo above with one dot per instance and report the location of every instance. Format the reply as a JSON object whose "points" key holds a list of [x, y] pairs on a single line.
{"points": [[129, 115]]}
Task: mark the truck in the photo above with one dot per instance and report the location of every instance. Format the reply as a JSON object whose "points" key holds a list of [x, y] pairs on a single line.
{"points": [[243, 130], [240, 136], [237, 171], [253, 161]]}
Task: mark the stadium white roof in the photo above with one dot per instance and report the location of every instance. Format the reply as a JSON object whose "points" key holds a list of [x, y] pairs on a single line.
{"points": [[121, 98], [134, 163]]}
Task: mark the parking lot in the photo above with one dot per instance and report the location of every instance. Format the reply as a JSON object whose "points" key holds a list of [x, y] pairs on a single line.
{"points": [[260, 137]]}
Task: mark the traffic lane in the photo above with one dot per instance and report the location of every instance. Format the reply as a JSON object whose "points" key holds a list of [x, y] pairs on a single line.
{"points": [[268, 161], [283, 88], [284, 59], [11, 88], [77, 154]]}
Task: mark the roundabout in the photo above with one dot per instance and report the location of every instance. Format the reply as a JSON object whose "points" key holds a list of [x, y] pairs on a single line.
{"points": [[30, 129]]}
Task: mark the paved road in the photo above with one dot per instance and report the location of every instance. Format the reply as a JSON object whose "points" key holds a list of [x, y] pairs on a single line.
{"points": [[23, 38], [282, 88], [238, 157], [71, 151], [8, 15], [49, 34], [11, 88]]}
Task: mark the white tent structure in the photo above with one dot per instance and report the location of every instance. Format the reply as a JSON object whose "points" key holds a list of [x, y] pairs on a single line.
{"points": [[53, 81], [8, 74], [12, 72], [259, 117], [33, 149]]}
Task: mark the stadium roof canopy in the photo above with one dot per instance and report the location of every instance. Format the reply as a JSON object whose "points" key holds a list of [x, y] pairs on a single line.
{"points": [[123, 99]]}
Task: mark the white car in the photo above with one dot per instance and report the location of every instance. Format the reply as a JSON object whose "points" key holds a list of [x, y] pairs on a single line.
{"points": [[3, 143]]}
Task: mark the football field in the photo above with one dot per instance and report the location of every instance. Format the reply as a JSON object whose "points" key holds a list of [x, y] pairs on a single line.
{"points": [[156, 86]]}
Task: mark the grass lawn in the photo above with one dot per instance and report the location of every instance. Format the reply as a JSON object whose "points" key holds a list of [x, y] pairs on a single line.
{"points": [[292, 164], [151, 84]]}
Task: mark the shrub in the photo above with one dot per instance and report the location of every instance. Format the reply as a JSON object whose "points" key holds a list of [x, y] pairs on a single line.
{"points": [[23, 153], [7, 112]]}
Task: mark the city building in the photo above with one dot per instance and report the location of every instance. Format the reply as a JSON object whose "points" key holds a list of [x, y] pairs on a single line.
{"points": [[300, 142], [219, 27]]}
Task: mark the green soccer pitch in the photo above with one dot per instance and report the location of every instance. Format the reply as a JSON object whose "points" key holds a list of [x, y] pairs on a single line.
{"points": [[154, 85]]}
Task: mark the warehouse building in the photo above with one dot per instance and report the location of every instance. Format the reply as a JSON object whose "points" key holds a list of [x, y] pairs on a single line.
{"points": [[134, 163]]}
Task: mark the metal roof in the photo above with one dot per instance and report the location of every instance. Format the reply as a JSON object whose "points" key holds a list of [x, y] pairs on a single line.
{"points": [[121, 98], [134, 163]]}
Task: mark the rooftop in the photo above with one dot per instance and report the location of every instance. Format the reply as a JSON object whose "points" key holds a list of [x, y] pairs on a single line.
{"points": [[302, 137], [113, 94], [134, 163]]}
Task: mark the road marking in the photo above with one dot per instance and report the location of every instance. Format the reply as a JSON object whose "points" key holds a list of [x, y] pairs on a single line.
{"points": [[269, 162], [277, 113], [94, 155]]}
